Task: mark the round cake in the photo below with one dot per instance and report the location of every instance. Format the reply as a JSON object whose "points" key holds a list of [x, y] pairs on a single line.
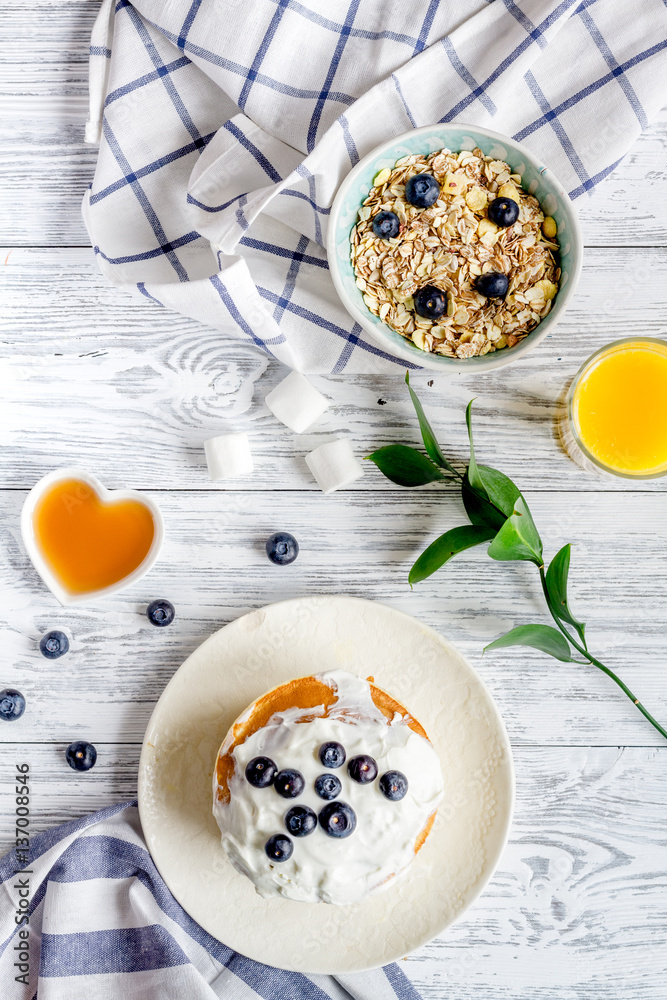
{"points": [[325, 789]]}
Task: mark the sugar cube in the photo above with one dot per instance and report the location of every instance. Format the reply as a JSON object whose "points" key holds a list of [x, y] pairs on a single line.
{"points": [[334, 465], [228, 456], [296, 403]]}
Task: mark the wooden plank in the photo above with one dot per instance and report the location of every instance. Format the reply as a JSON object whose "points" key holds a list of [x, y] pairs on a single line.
{"points": [[629, 207], [90, 374], [57, 793], [90, 371], [45, 169], [45, 166], [577, 903], [49, 61], [214, 568], [577, 907]]}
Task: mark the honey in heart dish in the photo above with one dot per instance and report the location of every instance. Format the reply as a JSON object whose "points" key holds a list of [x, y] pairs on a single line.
{"points": [[88, 544], [618, 408]]}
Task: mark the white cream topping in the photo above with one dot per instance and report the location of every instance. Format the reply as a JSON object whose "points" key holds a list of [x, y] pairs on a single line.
{"points": [[324, 868]]}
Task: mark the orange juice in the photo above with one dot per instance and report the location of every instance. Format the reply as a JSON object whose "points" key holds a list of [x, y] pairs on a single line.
{"points": [[87, 543], [618, 407]]}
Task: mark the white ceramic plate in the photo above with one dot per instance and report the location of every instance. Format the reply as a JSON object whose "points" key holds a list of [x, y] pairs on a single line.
{"points": [[266, 648]]}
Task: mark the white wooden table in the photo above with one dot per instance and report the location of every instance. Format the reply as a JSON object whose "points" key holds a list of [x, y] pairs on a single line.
{"points": [[578, 907]]}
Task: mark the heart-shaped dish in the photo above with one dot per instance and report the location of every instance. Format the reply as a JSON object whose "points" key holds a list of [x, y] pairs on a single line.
{"points": [[101, 521]]}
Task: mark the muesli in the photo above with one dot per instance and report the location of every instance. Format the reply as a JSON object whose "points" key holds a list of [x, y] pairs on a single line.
{"points": [[454, 255]]}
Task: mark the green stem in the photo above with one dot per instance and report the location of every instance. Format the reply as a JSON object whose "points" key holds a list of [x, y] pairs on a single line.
{"points": [[596, 663]]}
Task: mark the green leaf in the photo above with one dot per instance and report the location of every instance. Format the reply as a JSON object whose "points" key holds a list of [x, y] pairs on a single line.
{"points": [[479, 509], [428, 437], [489, 496], [474, 477], [518, 539], [443, 548], [556, 580], [500, 489], [542, 637], [406, 466], [497, 505]]}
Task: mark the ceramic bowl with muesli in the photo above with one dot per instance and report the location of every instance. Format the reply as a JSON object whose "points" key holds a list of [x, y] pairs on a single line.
{"points": [[454, 248]]}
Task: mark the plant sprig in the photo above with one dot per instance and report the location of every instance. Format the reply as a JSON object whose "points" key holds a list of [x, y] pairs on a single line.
{"points": [[498, 514]]}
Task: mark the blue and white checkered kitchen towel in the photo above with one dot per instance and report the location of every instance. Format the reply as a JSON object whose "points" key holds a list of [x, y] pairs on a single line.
{"points": [[102, 925], [226, 126]]}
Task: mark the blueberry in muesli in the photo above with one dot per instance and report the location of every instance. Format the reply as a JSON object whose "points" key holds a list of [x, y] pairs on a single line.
{"points": [[422, 190], [430, 302], [493, 284], [386, 225], [503, 212]]}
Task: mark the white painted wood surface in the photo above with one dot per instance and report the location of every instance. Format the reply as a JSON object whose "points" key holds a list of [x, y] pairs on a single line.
{"points": [[578, 906]]}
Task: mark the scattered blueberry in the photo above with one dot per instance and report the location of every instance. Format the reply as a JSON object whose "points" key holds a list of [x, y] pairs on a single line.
{"points": [[161, 612], [282, 548], [300, 821], [504, 212], [81, 755], [332, 754], [363, 769], [493, 284], [328, 786], [430, 302], [53, 644], [279, 847], [260, 772], [386, 225], [422, 190], [12, 704], [394, 785], [338, 819], [289, 783]]}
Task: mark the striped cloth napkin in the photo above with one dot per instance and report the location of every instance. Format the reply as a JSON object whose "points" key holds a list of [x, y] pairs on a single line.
{"points": [[102, 925], [225, 128]]}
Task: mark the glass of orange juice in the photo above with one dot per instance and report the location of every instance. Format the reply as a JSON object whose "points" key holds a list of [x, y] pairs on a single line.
{"points": [[617, 408]]}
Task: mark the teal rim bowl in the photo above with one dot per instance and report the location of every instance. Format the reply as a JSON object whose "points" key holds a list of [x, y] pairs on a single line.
{"points": [[536, 179]]}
